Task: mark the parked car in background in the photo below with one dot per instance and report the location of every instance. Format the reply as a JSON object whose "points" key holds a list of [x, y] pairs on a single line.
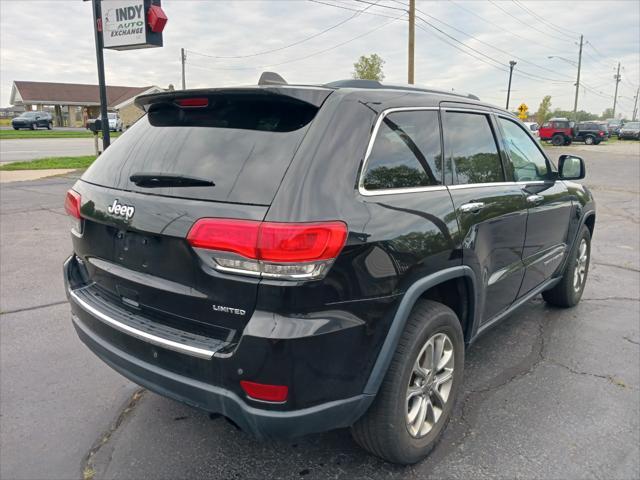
{"points": [[630, 130], [211, 263], [557, 130], [33, 120], [591, 133], [605, 127], [614, 126], [115, 124], [534, 127]]}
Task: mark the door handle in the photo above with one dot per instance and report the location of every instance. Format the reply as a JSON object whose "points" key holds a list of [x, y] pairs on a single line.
{"points": [[471, 207], [534, 198]]}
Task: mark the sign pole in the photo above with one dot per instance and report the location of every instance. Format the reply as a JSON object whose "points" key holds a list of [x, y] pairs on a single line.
{"points": [[97, 28]]}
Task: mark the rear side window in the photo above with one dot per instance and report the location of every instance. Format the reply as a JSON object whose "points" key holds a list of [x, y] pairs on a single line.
{"points": [[471, 145], [406, 152], [243, 144]]}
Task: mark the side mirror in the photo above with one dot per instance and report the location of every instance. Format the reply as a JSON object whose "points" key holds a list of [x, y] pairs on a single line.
{"points": [[571, 167]]}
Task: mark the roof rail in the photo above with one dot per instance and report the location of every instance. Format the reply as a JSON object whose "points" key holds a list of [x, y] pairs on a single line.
{"points": [[374, 84]]}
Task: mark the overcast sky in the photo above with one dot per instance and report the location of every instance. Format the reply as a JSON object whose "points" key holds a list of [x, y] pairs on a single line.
{"points": [[53, 41]]}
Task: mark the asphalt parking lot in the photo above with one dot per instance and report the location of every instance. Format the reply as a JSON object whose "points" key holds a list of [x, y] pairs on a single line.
{"points": [[548, 393]]}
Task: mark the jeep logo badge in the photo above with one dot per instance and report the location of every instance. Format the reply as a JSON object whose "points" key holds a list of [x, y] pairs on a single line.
{"points": [[121, 210]]}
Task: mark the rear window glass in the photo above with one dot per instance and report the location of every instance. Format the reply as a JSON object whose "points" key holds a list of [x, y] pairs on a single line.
{"points": [[243, 145], [406, 152]]}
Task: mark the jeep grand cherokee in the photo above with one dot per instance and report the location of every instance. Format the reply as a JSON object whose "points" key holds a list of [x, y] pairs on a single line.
{"points": [[304, 258]]}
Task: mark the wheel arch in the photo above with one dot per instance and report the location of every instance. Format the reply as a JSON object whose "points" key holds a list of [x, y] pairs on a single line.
{"points": [[421, 289]]}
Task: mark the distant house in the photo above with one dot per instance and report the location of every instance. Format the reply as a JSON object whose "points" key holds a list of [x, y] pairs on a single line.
{"points": [[10, 112], [72, 104]]}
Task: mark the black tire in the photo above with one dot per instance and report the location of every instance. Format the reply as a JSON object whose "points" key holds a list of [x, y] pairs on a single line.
{"points": [[589, 140], [49, 126], [557, 140], [16, 128], [383, 430], [565, 294]]}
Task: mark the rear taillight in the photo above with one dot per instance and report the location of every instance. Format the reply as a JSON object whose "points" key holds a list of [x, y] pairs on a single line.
{"points": [[601, 133], [293, 251], [264, 392], [72, 204]]}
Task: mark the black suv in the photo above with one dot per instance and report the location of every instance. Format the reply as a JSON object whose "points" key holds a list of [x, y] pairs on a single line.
{"points": [[591, 133], [32, 120], [304, 258]]}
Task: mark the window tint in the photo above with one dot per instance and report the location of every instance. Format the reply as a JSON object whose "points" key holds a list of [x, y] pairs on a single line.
{"points": [[526, 158], [472, 148], [406, 152], [243, 146]]}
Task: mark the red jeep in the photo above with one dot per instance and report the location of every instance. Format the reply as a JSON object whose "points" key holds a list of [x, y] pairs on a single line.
{"points": [[558, 130]]}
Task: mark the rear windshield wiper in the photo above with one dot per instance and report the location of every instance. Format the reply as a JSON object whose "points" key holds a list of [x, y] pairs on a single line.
{"points": [[151, 180]]}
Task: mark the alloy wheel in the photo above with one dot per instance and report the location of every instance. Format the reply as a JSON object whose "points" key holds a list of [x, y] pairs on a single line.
{"points": [[430, 385], [580, 272]]}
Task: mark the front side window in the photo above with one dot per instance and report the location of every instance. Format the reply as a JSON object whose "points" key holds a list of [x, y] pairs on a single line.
{"points": [[406, 152], [526, 158], [471, 145]]}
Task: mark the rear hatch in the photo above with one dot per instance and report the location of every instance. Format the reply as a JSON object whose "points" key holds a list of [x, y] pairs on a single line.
{"points": [[196, 154]]}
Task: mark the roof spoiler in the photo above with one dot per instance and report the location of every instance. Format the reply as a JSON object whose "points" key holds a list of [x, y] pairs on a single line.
{"points": [[271, 78]]}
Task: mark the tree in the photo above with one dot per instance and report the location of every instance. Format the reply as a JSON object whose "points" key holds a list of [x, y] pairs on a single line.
{"points": [[544, 110], [607, 114], [369, 68]]}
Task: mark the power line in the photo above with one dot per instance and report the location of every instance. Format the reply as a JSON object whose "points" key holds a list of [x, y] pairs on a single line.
{"points": [[482, 41], [315, 35], [501, 27], [350, 9], [381, 5], [368, 32], [530, 26], [518, 72], [544, 21]]}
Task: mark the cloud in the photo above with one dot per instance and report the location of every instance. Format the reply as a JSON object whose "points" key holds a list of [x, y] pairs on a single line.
{"points": [[53, 41]]}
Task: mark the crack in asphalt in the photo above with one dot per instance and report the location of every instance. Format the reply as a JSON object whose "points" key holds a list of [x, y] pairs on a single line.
{"points": [[528, 365], [614, 380], [627, 299], [613, 265], [631, 341], [26, 309], [87, 468]]}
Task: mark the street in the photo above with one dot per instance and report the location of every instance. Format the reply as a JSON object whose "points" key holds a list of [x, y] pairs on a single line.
{"points": [[22, 149], [548, 393]]}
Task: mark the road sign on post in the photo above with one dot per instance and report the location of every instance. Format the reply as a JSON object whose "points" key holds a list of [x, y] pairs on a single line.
{"points": [[131, 24], [524, 110], [123, 25]]}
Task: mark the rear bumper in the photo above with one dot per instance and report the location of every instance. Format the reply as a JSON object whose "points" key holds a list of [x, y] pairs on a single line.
{"points": [[174, 382]]}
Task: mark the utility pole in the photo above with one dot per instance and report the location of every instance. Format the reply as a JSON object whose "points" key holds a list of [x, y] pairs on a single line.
{"points": [[575, 103], [412, 39], [615, 95], [635, 106], [183, 59], [512, 64], [97, 28]]}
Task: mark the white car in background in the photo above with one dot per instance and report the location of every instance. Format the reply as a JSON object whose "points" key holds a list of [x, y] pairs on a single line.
{"points": [[115, 124], [534, 127]]}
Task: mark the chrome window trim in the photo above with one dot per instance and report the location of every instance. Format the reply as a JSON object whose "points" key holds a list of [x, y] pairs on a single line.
{"points": [[144, 336], [391, 191], [496, 184], [462, 109]]}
